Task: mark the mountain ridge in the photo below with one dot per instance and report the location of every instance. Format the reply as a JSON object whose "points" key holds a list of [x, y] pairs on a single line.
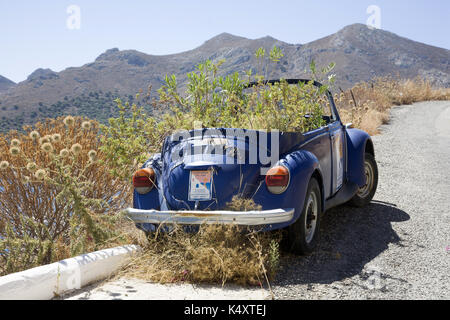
{"points": [[359, 53]]}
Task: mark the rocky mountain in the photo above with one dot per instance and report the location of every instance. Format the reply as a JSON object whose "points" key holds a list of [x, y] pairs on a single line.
{"points": [[5, 84], [360, 54]]}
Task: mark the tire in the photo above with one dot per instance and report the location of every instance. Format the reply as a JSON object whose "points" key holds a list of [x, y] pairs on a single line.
{"points": [[365, 194], [302, 235]]}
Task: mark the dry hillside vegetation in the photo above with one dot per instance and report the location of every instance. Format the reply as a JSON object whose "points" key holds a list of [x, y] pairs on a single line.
{"points": [[367, 105]]}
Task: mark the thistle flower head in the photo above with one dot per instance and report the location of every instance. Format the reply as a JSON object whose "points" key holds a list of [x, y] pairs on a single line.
{"points": [[15, 142], [25, 179], [47, 147], [31, 166], [14, 151], [40, 174], [34, 135], [64, 153], [76, 148], [4, 165], [92, 154], [45, 139], [86, 125], [69, 120], [56, 137]]}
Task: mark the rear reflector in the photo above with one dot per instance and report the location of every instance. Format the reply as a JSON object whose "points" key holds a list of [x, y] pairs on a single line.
{"points": [[277, 179], [144, 180]]}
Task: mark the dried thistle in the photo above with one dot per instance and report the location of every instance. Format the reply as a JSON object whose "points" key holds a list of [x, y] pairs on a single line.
{"points": [[52, 233], [31, 166], [14, 151], [86, 125], [92, 154], [25, 179], [40, 174], [45, 139], [15, 142], [76, 148], [47, 147], [56, 137], [64, 153], [69, 121], [34, 135], [4, 165]]}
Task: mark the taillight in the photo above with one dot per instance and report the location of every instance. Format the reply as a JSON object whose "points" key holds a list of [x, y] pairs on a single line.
{"points": [[144, 180], [277, 179]]}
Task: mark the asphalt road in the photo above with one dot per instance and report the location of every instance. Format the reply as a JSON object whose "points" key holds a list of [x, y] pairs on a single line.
{"points": [[396, 248], [399, 246]]}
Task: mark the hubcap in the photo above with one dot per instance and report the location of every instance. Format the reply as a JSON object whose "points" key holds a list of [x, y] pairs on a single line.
{"points": [[311, 217], [364, 191]]}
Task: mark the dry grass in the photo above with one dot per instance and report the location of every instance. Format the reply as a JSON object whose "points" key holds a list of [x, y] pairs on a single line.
{"points": [[239, 203], [374, 100], [214, 254]]}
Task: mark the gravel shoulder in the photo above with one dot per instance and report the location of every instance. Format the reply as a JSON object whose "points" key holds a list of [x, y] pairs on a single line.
{"points": [[396, 248]]}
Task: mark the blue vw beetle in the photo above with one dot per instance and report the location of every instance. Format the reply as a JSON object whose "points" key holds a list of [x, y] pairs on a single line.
{"points": [[294, 177]]}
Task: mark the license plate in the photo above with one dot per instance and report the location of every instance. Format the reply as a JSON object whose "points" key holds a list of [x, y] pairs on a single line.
{"points": [[200, 186]]}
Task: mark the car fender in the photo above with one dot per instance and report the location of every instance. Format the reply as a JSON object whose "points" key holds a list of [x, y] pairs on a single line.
{"points": [[357, 141], [302, 165], [154, 198]]}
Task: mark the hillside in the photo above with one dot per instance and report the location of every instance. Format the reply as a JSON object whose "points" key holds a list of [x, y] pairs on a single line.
{"points": [[360, 54], [5, 84]]}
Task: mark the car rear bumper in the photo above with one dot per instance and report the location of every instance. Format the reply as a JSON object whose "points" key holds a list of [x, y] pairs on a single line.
{"points": [[247, 218]]}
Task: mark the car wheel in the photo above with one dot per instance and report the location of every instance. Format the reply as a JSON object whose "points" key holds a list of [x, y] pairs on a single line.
{"points": [[365, 194], [303, 235]]}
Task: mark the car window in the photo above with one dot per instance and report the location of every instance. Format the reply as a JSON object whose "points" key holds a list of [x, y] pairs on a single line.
{"points": [[328, 114]]}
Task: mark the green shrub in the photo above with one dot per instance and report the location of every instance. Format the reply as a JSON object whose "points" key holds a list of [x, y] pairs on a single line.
{"points": [[216, 101]]}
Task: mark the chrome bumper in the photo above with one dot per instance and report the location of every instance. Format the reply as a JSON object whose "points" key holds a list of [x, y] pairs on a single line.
{"points": [[247, 218]]}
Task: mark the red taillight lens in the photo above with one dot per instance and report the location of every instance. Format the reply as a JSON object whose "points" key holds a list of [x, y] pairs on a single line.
{"points": [[277, 179], [144, 180]]}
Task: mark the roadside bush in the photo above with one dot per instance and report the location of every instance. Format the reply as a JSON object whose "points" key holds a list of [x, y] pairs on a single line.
{"points": [[56, 199]]}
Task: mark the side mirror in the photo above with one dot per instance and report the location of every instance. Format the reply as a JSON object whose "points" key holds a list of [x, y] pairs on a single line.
{"points": [[349, 126]]}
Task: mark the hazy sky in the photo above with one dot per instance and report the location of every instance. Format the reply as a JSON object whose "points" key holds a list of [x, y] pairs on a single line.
{"points": [[34, 34]]}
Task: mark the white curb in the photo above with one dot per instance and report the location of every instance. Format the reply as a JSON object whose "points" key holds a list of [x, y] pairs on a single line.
{"points": [[45, 282]]}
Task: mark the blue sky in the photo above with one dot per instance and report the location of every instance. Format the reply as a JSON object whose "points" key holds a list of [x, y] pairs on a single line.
{"points": [[34, 34]]}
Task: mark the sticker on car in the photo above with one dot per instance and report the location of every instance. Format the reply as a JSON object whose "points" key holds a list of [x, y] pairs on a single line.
{"points": [[200, 185]]}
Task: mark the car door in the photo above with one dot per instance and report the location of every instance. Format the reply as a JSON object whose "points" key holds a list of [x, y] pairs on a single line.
{"points": [[337, 145], [337, 154]]}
